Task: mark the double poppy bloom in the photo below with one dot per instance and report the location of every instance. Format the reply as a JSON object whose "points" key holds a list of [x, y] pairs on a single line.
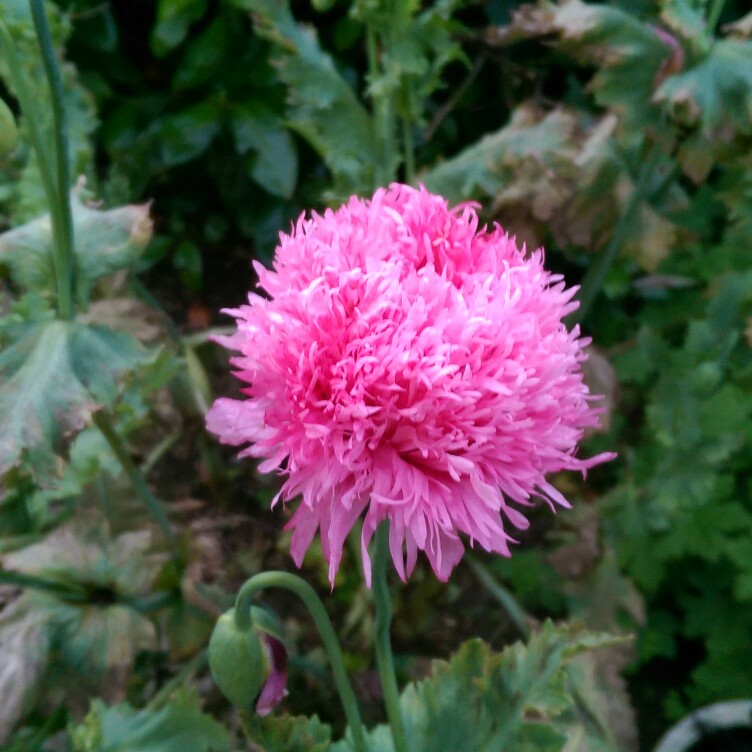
{"points": [[406, 365]]}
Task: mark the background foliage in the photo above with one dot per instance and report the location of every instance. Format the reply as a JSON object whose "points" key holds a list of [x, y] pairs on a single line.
{"points": [[615, 134]]}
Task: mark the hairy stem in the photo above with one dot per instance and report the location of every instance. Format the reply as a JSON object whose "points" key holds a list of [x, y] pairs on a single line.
{"points": [[313, 603], [62, 228], [383, 604]]}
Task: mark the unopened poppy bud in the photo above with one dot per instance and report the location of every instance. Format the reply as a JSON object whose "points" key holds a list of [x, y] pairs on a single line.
{"points": [[8, 130], [249, 666]]}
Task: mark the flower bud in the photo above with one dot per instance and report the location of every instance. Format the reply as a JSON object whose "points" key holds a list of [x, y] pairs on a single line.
{"points": [[249, 666], [8, 130]]}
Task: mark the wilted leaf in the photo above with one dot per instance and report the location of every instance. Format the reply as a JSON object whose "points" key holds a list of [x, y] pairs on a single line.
{"points": [[82, 551], [321, 105], [105, 242], [24, 646], [95, 631], [559, 172], [53, 376], [178, 726], [629, 55], [129, 315]]}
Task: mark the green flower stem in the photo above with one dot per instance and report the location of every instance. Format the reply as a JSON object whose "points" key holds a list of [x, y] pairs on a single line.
{"points": [[596, 275], [714, 15], [383, 603], [136, 477], [63, 227], [383, 112], [313, 603]]}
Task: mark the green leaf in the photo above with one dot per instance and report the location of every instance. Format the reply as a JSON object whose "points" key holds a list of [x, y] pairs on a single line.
{"points": [[322, 107], [174, 18], [287, 733], [178, 726], [53, 376], [105, 242], [273, 161], [188, 133], [203, 57], [78, 616], [528, 697], [28, 198], [416, 47], [716, 93]]}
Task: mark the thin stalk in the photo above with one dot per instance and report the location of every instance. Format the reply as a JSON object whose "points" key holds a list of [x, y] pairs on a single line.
{"points": [[313, 603], [409, 150], [714, 15], [59, 589], [383, 643], [383, 112], [63, 257], [596, 275], [137, 479], [507, 601]]}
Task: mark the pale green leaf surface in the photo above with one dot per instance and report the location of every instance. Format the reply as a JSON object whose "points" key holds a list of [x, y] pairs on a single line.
{"points": [[106, 241], [27, 197], [98, 636], [24, 646], [53, 376]]}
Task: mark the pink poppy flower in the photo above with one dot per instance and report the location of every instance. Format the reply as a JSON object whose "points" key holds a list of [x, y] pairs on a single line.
{"points": [[407, 365]]}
